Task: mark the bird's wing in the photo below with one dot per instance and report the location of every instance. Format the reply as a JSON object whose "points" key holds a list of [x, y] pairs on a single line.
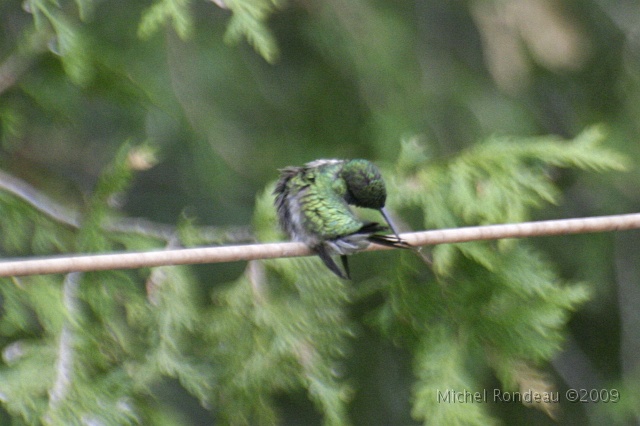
{"points": [[326, 214], [282, 193], [309, 207]]}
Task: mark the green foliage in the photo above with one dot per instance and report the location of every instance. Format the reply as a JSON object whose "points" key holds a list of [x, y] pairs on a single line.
{"points": [[61, 28], [440, 368], [498, 304], [110, 185], [176, 11], [354, 79], [100, 342], [68, 41], [283, 326], [501, 179], [249, 21], [91, 346]]}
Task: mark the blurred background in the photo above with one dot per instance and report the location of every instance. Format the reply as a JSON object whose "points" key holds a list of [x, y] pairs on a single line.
{"points": [[349, 79]]}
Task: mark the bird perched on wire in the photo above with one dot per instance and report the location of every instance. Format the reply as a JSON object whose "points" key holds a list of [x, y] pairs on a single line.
{"points": [[313, 201]]}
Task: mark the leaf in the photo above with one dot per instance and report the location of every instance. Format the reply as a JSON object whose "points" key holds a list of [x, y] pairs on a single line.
{"points": [[70, 42], [504, 298], [176, 12], [249, 21], [442, 379]]}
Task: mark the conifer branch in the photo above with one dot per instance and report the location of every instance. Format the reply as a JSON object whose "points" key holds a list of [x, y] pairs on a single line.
{"points": [[140, 226], [64, 363], [38, 200], [220, 254]]}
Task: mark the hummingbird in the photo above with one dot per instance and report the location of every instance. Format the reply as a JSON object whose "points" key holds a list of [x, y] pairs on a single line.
{"points": [[313, 201]]}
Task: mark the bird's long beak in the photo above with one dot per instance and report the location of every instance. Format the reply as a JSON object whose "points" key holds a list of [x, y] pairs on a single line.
{"points": [[388, 219]]}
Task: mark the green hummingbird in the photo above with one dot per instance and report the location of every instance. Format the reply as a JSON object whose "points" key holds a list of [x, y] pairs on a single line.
{"points": [[313, 201]]}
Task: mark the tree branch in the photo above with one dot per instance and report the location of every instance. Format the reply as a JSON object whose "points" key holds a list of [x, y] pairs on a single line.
{"points": [[220, 254], [64, 365], [72, 218]]}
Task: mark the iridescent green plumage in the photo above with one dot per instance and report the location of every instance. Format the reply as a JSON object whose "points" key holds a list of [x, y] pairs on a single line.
{"points": [[313, 207]]}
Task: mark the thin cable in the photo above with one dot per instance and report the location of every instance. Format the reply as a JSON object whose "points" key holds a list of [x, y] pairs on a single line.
{"points": [[220, 254]]}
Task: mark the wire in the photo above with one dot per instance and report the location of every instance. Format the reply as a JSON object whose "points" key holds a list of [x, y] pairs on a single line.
{"points": [[220, 254]]}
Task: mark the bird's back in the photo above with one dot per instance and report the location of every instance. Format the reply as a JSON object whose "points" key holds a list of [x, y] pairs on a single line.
{"points": [[310, 208]]}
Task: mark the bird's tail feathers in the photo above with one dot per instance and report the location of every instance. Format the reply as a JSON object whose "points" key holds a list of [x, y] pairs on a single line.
{"points": [[331, 264], [385, 240], [390, 241]]}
